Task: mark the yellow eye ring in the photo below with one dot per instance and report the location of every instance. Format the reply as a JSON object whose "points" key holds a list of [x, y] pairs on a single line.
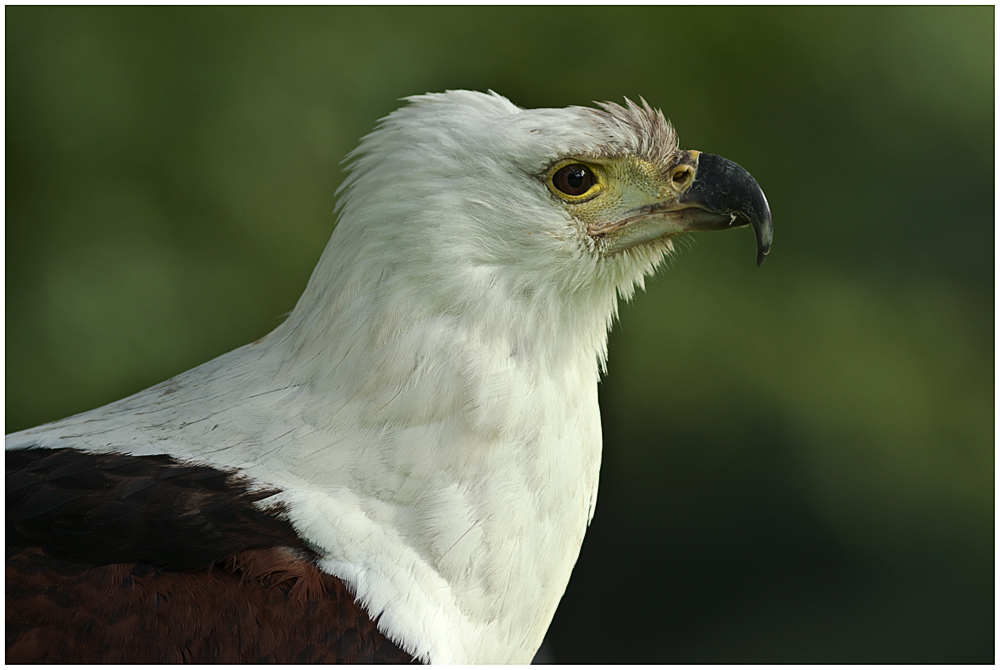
{"points": [[574, 181]]}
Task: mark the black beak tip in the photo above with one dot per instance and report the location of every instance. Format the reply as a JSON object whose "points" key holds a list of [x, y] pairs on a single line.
{"points": [[725, 187], [758, 212], [763, 230]]}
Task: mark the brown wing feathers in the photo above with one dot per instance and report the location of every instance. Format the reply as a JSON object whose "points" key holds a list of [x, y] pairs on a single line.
{"points": [[145, 559]]}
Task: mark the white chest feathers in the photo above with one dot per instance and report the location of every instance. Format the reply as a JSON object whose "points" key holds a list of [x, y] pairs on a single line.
{"points": [[453, 503]]}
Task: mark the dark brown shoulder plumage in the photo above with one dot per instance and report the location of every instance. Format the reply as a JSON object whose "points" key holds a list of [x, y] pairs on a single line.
{"points": [[114, 558]]}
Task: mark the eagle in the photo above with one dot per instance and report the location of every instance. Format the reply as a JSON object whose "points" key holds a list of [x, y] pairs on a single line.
{"points": [[404, 469]]}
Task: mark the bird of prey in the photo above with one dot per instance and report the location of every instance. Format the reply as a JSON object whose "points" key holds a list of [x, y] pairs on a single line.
{"points": [[404, 469]]}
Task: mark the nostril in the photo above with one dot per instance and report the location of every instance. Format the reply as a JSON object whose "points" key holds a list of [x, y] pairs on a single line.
{"points": [[681, 176]]}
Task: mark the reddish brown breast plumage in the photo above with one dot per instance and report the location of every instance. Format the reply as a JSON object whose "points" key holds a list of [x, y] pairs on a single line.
{"points": [[250, 591]]}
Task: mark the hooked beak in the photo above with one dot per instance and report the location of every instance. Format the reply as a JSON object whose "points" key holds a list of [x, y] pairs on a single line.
{"points": [[722, 195]]}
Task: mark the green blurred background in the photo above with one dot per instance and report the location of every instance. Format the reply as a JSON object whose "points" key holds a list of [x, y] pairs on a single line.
{"points": [[799, 459]]}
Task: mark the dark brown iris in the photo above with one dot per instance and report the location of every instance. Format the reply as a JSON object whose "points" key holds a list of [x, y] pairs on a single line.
{"points": [[574, 179]]}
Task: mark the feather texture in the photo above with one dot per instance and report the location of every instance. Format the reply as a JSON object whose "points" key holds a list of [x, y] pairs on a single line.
{"points": [[142, 559], [426, 419]]}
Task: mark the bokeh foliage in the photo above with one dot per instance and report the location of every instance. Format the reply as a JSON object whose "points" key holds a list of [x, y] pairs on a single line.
{"points": [[799, 459]]}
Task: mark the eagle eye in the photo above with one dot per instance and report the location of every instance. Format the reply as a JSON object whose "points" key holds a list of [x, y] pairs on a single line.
{"points": [[573, 179]]}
